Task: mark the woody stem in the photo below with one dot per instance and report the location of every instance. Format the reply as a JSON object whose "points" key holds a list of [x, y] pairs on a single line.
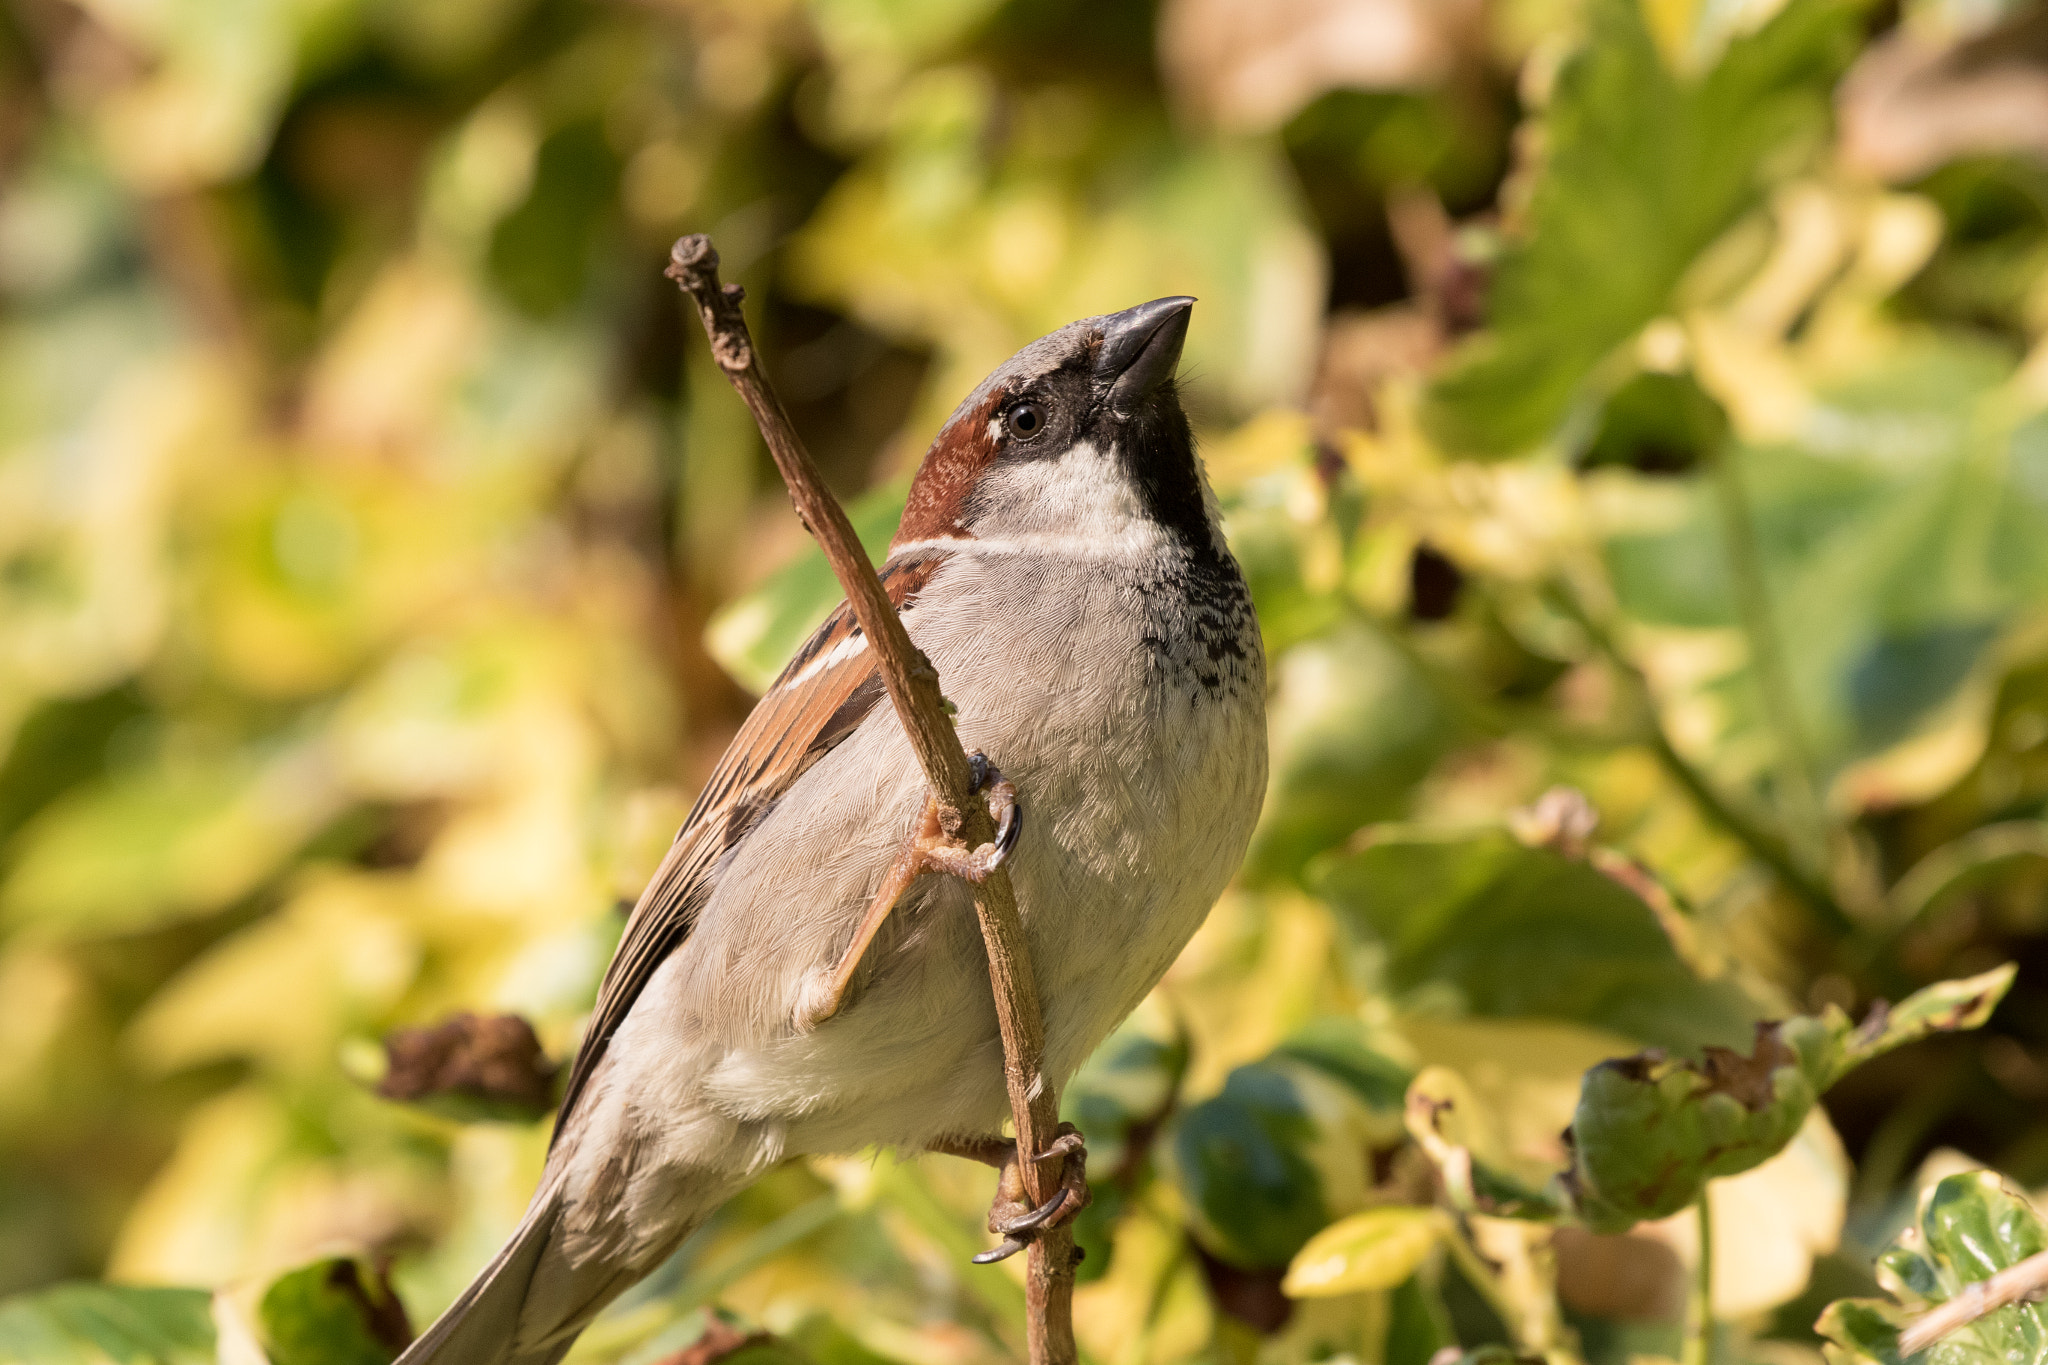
{"points": [[914, 691]]}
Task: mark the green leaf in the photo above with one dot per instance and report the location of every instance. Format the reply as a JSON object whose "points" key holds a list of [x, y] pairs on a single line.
{"points": [[335, 1312], [89, 1324], [1241, 1160], [1945, 1007], [1129, 1083], [1645, 169], [1376, 1249], [1969, 1228], [821, 1340], [1650, 1130], [1118, 1099], [1354, 727], [1896, 539], [1519, 932], [755, 635], [1339, 1047]]}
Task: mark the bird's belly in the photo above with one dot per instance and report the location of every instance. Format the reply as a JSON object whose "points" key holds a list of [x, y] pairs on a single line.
{"points": [[1145, 834]]}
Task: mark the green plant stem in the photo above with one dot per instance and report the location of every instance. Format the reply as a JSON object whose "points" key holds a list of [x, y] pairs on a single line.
{"points": [[1774, 678], [1474, 1268], [1766, 847], [1699, 1309]]}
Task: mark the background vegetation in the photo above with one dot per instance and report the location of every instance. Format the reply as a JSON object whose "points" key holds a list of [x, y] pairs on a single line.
{"points": [[1641, 399]]}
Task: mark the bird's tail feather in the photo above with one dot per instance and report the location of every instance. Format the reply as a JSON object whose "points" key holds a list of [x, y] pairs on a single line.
{"points": [[528, 1306], [482, 1326]]}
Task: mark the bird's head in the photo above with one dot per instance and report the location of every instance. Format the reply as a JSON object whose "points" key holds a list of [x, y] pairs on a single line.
{"points": [[1078, 437]]}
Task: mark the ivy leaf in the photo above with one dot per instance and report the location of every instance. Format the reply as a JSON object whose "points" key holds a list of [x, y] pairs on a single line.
{"points": [[1646, 168], [1123, 1090], [1241, 1160], [1354, 728], [1119, 1098], [1969, 1228], [151, 845], [1338, 1046], [1519, 932], [1650, 1130], [89, 1324], [334, 1312], [1376, 1249]]}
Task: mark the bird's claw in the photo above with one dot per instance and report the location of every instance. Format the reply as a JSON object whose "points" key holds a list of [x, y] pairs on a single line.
{"points": [[1019, 1229], [1008, 1247], [975, 865]]}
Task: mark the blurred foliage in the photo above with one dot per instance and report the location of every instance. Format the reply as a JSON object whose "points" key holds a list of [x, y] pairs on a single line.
{"points": [[1632, 416]]}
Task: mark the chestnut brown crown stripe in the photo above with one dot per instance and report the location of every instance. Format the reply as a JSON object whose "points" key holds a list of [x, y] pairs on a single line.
{"points": [[937, 507]]}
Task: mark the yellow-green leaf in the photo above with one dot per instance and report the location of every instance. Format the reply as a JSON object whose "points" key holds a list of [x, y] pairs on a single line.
{"points": [[1376, 1249]]}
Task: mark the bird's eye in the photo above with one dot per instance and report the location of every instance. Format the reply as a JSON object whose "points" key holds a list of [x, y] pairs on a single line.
{"points": [[1025, 420]]}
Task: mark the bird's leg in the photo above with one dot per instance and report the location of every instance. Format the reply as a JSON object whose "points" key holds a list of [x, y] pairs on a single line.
{"points": [[1010, 1215], [929, 849]]}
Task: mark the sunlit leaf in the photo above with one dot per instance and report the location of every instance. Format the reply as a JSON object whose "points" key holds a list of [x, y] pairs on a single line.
{"points": [[1969, 1228], [754, 635], [164, 842], [1772, 1221], [1355, 727], [1463, 1139], [1376, 1249], [1644, 169]]}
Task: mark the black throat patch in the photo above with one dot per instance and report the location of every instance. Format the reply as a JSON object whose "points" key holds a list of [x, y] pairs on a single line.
{"points": [[1158, 450]]}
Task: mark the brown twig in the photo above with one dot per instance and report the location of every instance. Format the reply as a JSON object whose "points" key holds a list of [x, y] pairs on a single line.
{"points": [[914, 689], [2026, 1280]]}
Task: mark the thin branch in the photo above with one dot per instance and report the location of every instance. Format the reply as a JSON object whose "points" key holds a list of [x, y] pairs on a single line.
{"points": [[1766, 847], [2026, 1280], [914, 690]]}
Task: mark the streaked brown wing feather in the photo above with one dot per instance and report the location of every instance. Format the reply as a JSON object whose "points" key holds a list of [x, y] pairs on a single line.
{"points": [[821, 697]]}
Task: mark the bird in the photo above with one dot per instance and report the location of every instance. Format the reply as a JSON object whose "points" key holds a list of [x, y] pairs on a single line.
{"points": [[1061, 562]]}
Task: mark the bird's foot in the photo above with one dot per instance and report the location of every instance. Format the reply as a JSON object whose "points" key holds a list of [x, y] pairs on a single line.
{"points": [[929, 849], [939, 853], [1011, 1215]]}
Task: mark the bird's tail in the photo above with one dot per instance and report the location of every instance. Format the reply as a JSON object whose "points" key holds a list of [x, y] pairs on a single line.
{"points": [[482, 1326], [527, 1306]]}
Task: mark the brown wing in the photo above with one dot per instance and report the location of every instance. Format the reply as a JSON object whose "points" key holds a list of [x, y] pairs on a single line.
{"points": [[822, 696]]}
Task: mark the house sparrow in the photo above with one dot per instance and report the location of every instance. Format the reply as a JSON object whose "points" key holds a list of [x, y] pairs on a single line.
{"points": [[1060, 562]]}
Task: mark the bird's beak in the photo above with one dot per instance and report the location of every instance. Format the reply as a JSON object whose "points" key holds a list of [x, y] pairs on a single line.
{"points": [[1141, 348]]}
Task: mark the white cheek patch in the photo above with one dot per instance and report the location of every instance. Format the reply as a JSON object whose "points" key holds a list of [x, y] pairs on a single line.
{"points": [[1082, 503]]}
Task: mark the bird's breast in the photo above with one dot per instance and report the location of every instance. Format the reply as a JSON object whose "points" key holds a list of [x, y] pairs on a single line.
{"points": [[1127, 705]]}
